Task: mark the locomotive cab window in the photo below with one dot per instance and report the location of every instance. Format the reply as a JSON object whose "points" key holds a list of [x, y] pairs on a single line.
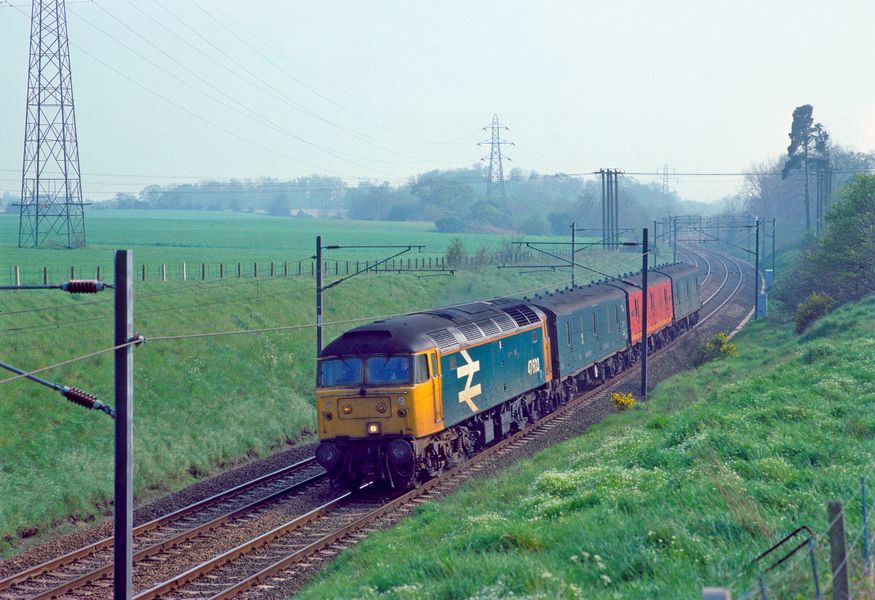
{"points": [[421, 368], [340, 371], [388, 369]]}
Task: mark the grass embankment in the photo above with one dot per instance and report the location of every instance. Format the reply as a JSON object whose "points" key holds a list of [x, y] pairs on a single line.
{"points": [[681, 492], [202, 404]]}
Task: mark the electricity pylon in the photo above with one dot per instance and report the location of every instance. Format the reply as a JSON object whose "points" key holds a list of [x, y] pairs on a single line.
{"points": [[495, 173], [51, 208]]}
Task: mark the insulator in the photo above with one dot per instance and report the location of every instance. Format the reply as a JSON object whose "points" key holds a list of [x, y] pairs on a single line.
{"points": [[87, 400], [79, 397], [82, 286]]}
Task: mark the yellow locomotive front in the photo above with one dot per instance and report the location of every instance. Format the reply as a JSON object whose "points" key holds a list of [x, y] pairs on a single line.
{"points": [[378, 390]]}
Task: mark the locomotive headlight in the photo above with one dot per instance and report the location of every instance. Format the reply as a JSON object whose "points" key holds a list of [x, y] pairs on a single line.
{"points": [[347, 409], [373, 428]]}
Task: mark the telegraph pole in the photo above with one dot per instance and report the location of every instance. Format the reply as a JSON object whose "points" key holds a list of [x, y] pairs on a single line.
{"points": [[123, 507], [573, 253], [756, 271], [319, 291], [610, 206], [644, 267], [320, 287]]}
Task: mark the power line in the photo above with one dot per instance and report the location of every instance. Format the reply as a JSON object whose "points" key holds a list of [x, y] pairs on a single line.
{"points": [[312, 90], [252, 79], [135, 342]]}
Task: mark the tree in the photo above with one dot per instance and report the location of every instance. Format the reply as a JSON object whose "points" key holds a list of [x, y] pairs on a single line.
{"points": [[804, 134], [279, 207], [841, 262], [456, 253], [846, 255]]}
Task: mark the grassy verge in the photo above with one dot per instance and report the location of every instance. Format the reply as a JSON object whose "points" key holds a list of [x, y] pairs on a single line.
{"points": [[679, 493]]}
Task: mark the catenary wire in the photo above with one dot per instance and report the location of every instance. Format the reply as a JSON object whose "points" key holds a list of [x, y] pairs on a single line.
{"points": [[71, 361]]}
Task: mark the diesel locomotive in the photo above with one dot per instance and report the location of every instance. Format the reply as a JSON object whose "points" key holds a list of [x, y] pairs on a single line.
{"points": [[401, 399]]}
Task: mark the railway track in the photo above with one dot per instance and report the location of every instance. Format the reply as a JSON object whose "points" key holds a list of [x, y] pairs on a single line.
{"points": [[93, 563], [265, 562]]}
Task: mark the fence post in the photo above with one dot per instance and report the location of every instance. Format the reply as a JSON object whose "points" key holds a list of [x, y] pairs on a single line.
{"points": [[347, 268], [17, 275], [867, 559], [203, 271], [285, 268], [184, 272], [72, 273], [45, 276], [163, 272], [271, 268], [221, 270], [255, 270], [838, 551], [144, 271], [762, 583], [239, 269], [98, 272]]}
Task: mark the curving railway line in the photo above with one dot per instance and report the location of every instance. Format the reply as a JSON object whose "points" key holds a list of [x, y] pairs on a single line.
{"points": [[223, 547]]}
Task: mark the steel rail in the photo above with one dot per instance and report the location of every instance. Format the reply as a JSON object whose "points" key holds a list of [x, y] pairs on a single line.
{"points": [[729, 297], [722, 283], [174, 541], [176, 515], [226, 557]]}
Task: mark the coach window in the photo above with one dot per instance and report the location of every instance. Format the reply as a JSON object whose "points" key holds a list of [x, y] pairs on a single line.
{"points": [[665, 295], [595, 329], [421, 368], [568, 332], [636, 307]]}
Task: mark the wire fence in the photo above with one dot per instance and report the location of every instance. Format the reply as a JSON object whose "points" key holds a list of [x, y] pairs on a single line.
{"points": [[183, 270], [811, 572]]}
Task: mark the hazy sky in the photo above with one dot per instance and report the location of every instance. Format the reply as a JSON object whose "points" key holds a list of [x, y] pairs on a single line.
{"points": [[387, 89]]}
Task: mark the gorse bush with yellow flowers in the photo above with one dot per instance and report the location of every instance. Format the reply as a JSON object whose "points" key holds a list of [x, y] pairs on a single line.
{"points": [[719, 345], [623, 401]]}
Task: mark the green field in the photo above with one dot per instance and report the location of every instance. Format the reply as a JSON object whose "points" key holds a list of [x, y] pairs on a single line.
{"points": [[679, 493], [195, 237], [202, 404]]}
